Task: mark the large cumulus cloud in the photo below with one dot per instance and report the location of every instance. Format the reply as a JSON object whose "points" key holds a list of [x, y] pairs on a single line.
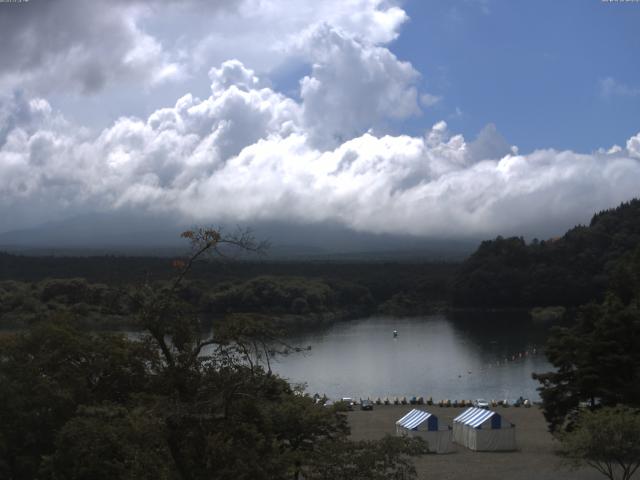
{"points": [[73, 44], [268, 34], [70, 46], [249, 153], [353, 86]]}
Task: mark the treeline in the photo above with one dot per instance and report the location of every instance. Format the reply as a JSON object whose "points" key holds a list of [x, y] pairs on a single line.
{"points": [[119, 269], [294, 300], [570, 271], [596, 360], [97, 296], [94, 306], [591, 396], [283, 295]]}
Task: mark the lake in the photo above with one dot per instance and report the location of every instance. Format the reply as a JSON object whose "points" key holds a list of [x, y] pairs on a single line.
{"points": [[462, 357]]}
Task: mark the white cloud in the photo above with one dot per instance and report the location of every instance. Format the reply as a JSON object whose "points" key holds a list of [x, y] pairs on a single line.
{"points": [[246, 153], [483, 5], [430, 100], [457, 113], [610, 87], [71, 45], [268, 33], [353, 87], [633, 146], [489, 144], [232, 72]]}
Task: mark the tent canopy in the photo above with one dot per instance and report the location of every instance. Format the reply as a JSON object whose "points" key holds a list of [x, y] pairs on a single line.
{"points": [[484, 431], [421, 424], [415, 418], [475, 417]]}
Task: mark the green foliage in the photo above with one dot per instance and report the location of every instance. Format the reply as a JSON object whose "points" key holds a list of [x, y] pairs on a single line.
{"points": [[295, 300], [363, 284], [75, 405], [73, 290], [273, 295], [607, 439], [596, 361], [174, 403], [109, 442], [93, 306], [570, 271], [47, 372], [625, 278], [548, 314], [493, 275]]}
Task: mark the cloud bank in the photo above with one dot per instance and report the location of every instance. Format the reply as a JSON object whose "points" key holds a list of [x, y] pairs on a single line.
{"points": [[249, 153], [78, 46]]}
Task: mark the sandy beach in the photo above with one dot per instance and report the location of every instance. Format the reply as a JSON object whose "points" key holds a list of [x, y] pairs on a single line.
{"points": [[535, 458]]}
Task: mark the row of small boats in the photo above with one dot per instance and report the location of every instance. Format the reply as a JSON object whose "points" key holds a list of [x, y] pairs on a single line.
{"points": [[421, 401], [520, 402]]}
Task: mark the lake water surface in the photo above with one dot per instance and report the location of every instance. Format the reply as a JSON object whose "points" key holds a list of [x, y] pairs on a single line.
{"points": [[455, 358]]}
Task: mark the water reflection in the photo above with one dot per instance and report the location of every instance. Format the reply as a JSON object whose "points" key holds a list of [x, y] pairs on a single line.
{"points": [[456, 358]]}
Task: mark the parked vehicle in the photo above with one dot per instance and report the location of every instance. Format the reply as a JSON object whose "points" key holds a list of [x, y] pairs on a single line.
{"points": [[349, 402], [481, 403], [366, 405]]}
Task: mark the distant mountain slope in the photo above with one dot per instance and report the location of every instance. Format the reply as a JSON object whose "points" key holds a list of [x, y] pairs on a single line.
{"points": [[123, 233], [97, 231], [571, 270]]}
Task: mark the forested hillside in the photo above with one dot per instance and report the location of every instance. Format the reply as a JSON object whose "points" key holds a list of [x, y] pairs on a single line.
{"points": [[572, 270], [95, 290]]}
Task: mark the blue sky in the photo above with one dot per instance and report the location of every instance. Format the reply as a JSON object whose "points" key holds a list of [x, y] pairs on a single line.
{"points": [[534, 68]]}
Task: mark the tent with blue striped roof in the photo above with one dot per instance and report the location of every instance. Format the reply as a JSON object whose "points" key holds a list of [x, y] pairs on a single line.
{"points": [[418, 423], [484, 431]]}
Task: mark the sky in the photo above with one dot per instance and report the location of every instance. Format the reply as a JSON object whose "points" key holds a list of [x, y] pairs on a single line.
{"points": [[438, 119]]}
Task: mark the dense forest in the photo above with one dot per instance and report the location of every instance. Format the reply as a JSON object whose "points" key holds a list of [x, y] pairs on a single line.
{"points": [[91, 289], [571, 270], [597, 356]]}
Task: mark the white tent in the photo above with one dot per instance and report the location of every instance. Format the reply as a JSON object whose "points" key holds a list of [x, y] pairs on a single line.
{"points": [[484, 430], [418, 423]]}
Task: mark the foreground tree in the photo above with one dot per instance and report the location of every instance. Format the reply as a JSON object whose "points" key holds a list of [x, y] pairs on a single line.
{"points": [[597, 362], [175, 404], [389, 458], [47, 372], [110, 441], [607, 440]]}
